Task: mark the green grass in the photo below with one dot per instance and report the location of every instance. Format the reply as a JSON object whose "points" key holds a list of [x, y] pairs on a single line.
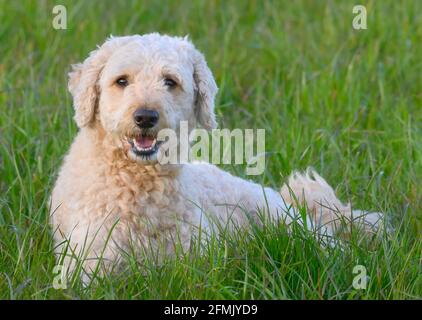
{"points": [[346, 102]]}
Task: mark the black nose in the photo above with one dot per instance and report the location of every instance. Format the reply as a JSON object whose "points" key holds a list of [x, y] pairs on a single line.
{"points": [[146, 118]]}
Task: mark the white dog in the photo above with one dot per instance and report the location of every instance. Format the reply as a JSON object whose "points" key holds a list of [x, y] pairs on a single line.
{"points": [[112, 194]]}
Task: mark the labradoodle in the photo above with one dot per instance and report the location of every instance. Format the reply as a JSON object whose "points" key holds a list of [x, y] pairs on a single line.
{"points": [[113, 194]]}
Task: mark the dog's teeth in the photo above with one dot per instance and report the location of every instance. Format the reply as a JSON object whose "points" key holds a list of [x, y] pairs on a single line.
{"points": [[138, 147]]}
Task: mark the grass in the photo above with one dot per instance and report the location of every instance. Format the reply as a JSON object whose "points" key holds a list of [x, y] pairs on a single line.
{"points": [[346, 102]]}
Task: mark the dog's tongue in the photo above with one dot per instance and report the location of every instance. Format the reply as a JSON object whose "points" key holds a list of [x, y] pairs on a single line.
{"points": [[144, 142]]}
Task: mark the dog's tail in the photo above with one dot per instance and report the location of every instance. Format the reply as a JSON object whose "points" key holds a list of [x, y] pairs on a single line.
{"points": [[326, 211]]}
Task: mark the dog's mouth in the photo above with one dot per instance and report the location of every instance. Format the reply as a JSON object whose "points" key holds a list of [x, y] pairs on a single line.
{"points": [[144, 145]]}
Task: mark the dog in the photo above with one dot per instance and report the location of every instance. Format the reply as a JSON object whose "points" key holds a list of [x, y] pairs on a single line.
{"points": [[112, 193]]}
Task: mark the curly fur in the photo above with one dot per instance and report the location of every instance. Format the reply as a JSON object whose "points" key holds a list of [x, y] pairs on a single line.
{"points": [[106, 200]]}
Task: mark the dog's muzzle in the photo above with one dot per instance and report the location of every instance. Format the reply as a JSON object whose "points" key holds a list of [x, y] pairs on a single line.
{"points": [[145, 143]]}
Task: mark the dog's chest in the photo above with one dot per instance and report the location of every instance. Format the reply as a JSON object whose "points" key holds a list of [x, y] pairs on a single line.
{"points": [[148, 197]]}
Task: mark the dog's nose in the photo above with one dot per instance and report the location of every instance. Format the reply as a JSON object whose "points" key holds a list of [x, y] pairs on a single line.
{"points": [[146, 118]]}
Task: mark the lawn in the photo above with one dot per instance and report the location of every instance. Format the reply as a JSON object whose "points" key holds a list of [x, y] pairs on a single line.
{"points": [[347, 102]]}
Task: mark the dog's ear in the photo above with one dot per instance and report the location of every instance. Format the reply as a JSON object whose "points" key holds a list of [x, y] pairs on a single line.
{"points": [[206, 90], [83, 87], [83, 80]]}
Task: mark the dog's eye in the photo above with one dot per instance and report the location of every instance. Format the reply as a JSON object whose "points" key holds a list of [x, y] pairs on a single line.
{"points": [[122, 82], [169, 83]]}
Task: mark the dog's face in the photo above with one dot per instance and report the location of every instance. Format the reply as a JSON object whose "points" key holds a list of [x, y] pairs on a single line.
{"points": [[135, 86]]}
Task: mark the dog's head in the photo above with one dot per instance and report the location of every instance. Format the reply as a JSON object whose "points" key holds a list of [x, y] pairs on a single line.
{"points": [[137, 85]]}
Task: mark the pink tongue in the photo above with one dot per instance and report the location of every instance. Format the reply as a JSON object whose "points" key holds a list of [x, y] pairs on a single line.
{"points": [[144, 142]]}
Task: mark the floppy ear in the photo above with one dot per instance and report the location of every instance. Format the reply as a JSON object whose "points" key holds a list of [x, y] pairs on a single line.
{"points": [[83, 87], [83, 80], [206, 90]]}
